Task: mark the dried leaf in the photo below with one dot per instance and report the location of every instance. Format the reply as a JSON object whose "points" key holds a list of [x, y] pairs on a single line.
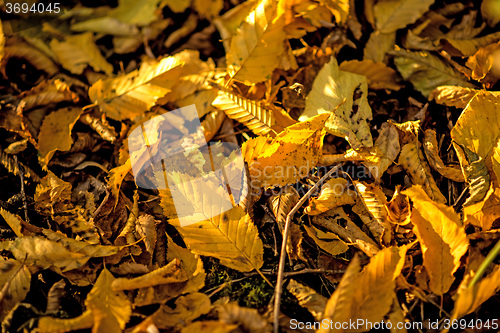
{"points": [[431, 152], [378, 45], [378, 75], [397, 14], [387, 147], [455, 96], [47, 92], [249, 320], [412, 161], [342, 95], [288, 157], [308, 298], [77, 52], [258, 45], [128, 96], [484, 213], [427, 71], [15, 281], [398, 209], [334, 193], [441, 236], [327, 241], [250, 113], [55, 133]]}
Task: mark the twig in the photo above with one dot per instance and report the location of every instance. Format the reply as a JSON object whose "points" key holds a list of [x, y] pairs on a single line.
{"points": [[23, 193], [279, 284]]}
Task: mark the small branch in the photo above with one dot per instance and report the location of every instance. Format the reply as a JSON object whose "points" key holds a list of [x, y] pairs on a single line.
{"points": [[485, 264], [279, 284]]}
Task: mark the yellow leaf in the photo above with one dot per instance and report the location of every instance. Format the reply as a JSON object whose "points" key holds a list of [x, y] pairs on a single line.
{"points": [[258, 45], [230, 237], [106, 25], [170, 273], [79, 51], [47, 92], [374, 201], [187, 308], [378, 75], [478, 130], [338, 308], [375, 286], [486, 211], [412, 161], [228, 23], [490, 10], [469, 299], [327, 241], [15, 283], [288, 157], [392, 15], [467, 47], [55, 132], [455, 96], [334, 193], [177, 6], [14, 222], [339, 8], [398, 209], [250, 113], [116, 176], [333, 92], [427, 71], [212, 123], [111, 309], [441, 236], [431, 152], [485, 62], [140, 13], [128, 96], [387, 147], [378, 45], [308, 298], [208, 9]]}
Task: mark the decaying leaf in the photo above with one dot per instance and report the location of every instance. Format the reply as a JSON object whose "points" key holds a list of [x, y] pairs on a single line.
{"points": [[441, 236], [15, 281], [344, 96], [289, 156], [398, 208], [432, 154], [308, 298], [411, 158], [327, 241], [334, 193]]}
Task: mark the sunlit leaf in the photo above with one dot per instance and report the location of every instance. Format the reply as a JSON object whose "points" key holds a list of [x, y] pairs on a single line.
{"points": [[396, 14], [334, 193]]}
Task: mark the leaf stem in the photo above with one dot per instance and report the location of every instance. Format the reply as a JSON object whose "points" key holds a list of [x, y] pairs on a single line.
{"points": [[281, 268], [485, 264]]}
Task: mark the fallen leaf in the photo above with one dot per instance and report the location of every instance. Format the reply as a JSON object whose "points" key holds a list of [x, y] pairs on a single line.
{"points": [[396, 14], [335, 192], [308, 298]]}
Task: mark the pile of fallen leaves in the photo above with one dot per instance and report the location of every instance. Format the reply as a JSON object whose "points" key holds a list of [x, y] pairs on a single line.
{"points": [[393, 100]]}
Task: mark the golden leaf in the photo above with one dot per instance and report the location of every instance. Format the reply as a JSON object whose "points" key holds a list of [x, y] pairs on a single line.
{"points": [[136, 13], [146, 229], [427, 71], [378, 45], [327, 241], [55, 132], [455, 96], [338, 308], [441, 236], [289, 156], [77, 52], [106, 25], [412, 161], [333, 92], [374, 201], [107, 311], [13, 221], [397, 14], [308, 298], [484, 213], [281, 204], [478, 131], [15, 283], [484, 64], [467, 47], [128, 96], [258, 45], [335, 192], [375, 286], [230, 237], [116, 176], [398, 209], [431, 152], [470, 298], [170, 273], [490, 10], [387, 147], [47, 92], [339, 8], [208, 9], [249, 113], [187, 308], [212, 123], [378, 75]]}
